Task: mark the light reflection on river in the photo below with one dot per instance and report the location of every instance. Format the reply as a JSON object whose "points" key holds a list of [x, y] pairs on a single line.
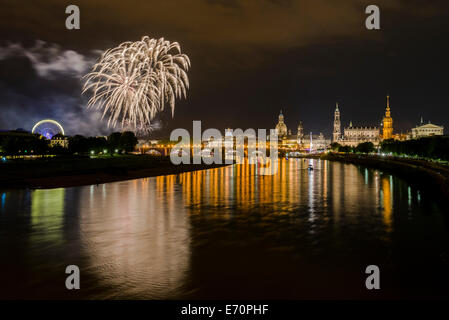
{"points": [[227, 233]]}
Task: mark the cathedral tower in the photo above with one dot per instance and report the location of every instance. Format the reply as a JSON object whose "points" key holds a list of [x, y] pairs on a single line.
{"points": [[387, 132], [337, 125]]}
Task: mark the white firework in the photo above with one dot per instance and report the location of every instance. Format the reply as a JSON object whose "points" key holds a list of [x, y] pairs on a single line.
{"points": [[134, 81]]}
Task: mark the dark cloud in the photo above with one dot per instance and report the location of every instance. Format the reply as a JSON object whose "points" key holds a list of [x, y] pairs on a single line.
{"points": [[50, 59], [43, 81]]}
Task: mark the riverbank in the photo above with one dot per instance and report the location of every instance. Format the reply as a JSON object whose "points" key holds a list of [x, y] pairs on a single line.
{"points": [[421, 173], [77, 171]]}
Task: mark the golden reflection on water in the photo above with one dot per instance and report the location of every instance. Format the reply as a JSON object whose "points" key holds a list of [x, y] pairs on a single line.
{"points": [[330, 186], [47, 215], [387, 202], [137, 234], [137, 237], [240, 186], [225, 232]]}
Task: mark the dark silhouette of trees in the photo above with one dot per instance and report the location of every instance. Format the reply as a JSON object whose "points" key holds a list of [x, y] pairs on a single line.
{"points": [[128, 141], [114, 140], [78, 144], [23, 143], [335, 146], [345, 149], [436, 147], [97, 144], [365, 147], [82, 145]]}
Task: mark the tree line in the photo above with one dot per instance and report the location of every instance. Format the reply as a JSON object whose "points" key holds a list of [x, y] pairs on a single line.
{"points": [[115, 142], [364, 147], [435, 147], [20, 142]]}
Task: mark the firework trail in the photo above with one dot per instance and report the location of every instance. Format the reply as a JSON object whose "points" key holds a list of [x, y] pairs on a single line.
{"points": [[134, 81]]}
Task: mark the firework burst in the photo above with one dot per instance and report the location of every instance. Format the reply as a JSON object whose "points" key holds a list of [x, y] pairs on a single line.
{"points": [[134, 81]]}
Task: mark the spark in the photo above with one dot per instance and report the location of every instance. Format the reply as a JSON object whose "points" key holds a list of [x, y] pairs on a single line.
{"points": [[133, 82]]}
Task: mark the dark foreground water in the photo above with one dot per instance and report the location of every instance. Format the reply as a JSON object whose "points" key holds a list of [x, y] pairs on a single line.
{"points": [[228, 233]]}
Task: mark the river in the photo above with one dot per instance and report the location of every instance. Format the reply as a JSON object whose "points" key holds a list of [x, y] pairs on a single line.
{"points": [[229, 233]]}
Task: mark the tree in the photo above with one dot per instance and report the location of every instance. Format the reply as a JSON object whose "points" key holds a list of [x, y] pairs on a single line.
{"points": [[335, 146], [114, 140], [128, 141], [436, 147], [78, 144], [365, 147], [97, 144], [24, 143], [57, 149], [345, 149]]}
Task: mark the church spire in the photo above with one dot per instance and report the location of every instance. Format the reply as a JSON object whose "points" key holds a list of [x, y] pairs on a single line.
{"points": [[387, 130], [281, 116], [337, 125], [387, 111]]}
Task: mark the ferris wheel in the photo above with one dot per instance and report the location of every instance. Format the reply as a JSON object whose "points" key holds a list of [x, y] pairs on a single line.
{"points": [[48, 128]]}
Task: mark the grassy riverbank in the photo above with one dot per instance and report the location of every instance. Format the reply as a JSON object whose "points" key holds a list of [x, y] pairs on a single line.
{"points": [[423, 173], [76, 171]]}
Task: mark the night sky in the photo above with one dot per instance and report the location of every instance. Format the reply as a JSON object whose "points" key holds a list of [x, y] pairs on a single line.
{"points": [[250, 58]]}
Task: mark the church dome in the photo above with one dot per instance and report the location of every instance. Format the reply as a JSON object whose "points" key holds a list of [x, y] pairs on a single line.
{"points": [[281, 128]]}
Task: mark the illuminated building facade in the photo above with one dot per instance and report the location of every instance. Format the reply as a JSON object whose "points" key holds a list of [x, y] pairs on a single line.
{"points": [[354, 135], [59, 140], [289, 140], [426, 130], [297, 141], [316, 142]]}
